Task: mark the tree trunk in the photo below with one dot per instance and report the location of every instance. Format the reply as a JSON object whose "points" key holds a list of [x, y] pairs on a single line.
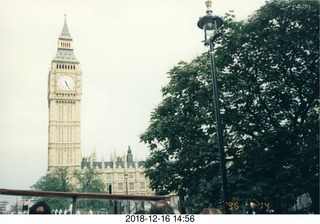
{"points": [[314, 194], [182, 207]]}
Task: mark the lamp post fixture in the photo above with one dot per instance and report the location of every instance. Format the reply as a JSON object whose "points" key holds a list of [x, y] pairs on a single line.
{"points": [[210, 24]]}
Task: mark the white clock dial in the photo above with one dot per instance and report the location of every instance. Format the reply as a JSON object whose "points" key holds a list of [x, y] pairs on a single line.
{"points": [[66, 82]]}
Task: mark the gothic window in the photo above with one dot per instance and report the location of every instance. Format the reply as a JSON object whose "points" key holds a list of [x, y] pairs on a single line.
{"points": [[142, 185], [120, 186], [68, 156], [70, 112], [59, 157], [120, 176], [71, 134], [131, 186]]}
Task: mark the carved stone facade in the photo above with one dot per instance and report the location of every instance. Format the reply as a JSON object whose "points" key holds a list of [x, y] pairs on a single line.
{"points": [[122, 175], [64, 101]]}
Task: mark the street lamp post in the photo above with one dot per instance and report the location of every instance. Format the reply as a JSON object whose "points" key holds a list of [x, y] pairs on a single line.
{"points": [[127, 192], [210, 24], [126, 182]]}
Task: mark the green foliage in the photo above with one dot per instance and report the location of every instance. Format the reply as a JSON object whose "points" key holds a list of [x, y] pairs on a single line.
{"points": [[268, 72], [183, 153], [59, 181], [270, 94], [89, 181]]}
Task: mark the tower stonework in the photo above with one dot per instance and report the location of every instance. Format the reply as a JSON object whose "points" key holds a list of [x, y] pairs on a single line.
{"points": [[64, 102], [123, 175]]}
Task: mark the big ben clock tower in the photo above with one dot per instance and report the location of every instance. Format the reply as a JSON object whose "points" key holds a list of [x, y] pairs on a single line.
{"points": [[64, 101]]}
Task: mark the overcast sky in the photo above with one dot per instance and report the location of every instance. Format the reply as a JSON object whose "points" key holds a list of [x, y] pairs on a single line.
{"points": [[125, 48]]}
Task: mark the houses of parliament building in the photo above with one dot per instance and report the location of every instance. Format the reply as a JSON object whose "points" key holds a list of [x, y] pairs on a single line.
{"points": [[124, 174]]}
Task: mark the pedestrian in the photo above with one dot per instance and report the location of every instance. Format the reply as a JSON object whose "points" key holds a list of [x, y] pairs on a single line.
{"points": [[161, 207], [142, 212], [206, 211], [40, 208]]}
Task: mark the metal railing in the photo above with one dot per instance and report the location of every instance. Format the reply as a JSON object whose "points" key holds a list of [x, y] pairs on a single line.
{"points": [[75, 195]]}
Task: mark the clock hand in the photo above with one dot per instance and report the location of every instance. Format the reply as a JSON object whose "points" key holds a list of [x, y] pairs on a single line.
{"points": [[67, 84]]}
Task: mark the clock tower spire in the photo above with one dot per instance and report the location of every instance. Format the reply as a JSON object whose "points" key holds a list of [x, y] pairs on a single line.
{"points": [[65, 30], [64, 101]]}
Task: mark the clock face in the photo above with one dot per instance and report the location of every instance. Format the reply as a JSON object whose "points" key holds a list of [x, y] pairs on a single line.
{"points": [[66, 82]]}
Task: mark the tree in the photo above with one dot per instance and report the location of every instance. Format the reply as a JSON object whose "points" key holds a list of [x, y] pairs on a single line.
{"points": [[62, 180], [270, 94], [89, 181], [183, 153], [268, 72], [59, 181]]}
